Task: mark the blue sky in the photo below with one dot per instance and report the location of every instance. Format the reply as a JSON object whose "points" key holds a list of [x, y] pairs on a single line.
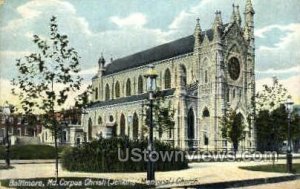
{"points": [[118, 28]]}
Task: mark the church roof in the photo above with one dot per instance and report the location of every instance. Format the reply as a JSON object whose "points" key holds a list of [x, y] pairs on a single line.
{"points": [[132, 98], [161, 52], [168, 50]]}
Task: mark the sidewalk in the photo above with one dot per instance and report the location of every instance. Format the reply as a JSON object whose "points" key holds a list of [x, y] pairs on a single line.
{"points": [[198, 173]]}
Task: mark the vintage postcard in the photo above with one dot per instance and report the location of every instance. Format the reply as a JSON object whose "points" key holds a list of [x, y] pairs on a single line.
{"points": [[149, 94]]}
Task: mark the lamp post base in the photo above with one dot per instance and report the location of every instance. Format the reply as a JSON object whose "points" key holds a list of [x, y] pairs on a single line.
{"points": [[7, 160], [289, 163]]}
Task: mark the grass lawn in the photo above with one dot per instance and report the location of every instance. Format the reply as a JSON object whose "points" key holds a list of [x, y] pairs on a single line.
{"points": [[279, 168], [70, 182]]}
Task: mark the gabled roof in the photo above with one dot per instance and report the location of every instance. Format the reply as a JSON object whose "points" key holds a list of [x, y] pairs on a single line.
{"points": [[168, 50], [161, 52], [133, 98]]}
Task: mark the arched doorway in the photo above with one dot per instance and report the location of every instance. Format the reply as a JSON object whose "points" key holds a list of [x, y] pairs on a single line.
{"points": [[238, 127], [135, 125], [122, 125], [190, 128], [90, 125]]}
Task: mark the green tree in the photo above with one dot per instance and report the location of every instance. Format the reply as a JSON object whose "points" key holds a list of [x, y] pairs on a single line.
{"points": [[233, 128], [163, 115], [271, 97], [47, 77], [271, 118], [272, 128]]}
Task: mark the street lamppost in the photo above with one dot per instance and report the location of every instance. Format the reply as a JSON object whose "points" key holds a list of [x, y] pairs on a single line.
{"points": [[6, 113], [289, 157], [151, 76]]}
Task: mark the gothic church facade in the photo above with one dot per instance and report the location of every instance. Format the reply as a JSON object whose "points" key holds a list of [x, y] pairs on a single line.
{"points": [[202, 75]]}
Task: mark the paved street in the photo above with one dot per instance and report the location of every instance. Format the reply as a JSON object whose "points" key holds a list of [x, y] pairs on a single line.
{"points": [[198, 173], [282, 185]]}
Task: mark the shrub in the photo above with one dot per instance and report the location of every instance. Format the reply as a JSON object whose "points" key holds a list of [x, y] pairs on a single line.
{"points": [[102, 156], [29, 152]]}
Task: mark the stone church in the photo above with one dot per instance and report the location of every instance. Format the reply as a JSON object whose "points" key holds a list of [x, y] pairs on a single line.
{"points": [[202, 76]]}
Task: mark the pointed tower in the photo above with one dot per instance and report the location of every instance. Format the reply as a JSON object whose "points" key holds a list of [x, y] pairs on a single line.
{"points": [[249, 23], [217, 26], [233, 15], [238, 15], [197, 35], [101, 65]]}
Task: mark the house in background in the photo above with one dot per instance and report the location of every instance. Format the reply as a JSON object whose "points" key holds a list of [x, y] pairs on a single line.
{"points": [[70, 131]]}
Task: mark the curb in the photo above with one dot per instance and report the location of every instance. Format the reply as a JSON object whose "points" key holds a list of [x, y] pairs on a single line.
{"points": [[237, 183]]}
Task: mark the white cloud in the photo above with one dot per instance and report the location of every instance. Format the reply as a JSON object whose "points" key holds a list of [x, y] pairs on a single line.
{"points": [[261, 31], [133, 20], [292, 70], [90, 72], [35, 12], [285, 53]]}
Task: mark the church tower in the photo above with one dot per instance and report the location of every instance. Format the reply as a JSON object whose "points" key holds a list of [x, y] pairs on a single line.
{"points": [[249, 24]]}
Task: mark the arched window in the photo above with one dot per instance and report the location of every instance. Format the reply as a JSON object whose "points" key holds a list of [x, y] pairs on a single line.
{"points": [[206, 139], [167, 79], [90, 124], [64, 136], [205, 76], [140, 85], [191, 123], [128, 87], [122, 125], [183, 74], [170, 132], [99, 120], [117, 89], [205, 113], [96, 93], [227, 94], [233, 93], [107, 92], [111, 118], [135, 125]]}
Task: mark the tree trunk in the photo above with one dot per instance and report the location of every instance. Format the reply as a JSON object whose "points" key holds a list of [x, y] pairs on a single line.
{"points": [[56, 153], [235, 148]]}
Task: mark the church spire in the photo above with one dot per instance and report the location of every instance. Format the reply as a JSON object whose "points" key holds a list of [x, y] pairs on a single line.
{"points": [[218, 19], [101, 64], [238, 15], [233, 15], [217, 25], [249, 7], [249, 23], [197, 34]]}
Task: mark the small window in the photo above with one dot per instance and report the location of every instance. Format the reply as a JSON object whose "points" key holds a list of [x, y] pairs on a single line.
{"points": [[117, 89], [233, 93], [167, 79], [111, 118], [96, 93], [99, 120], [205, 76], [206, 140], [227, 95], [205, 113], [107, 92], [170, 132], [140, 85], [128, 88]]}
